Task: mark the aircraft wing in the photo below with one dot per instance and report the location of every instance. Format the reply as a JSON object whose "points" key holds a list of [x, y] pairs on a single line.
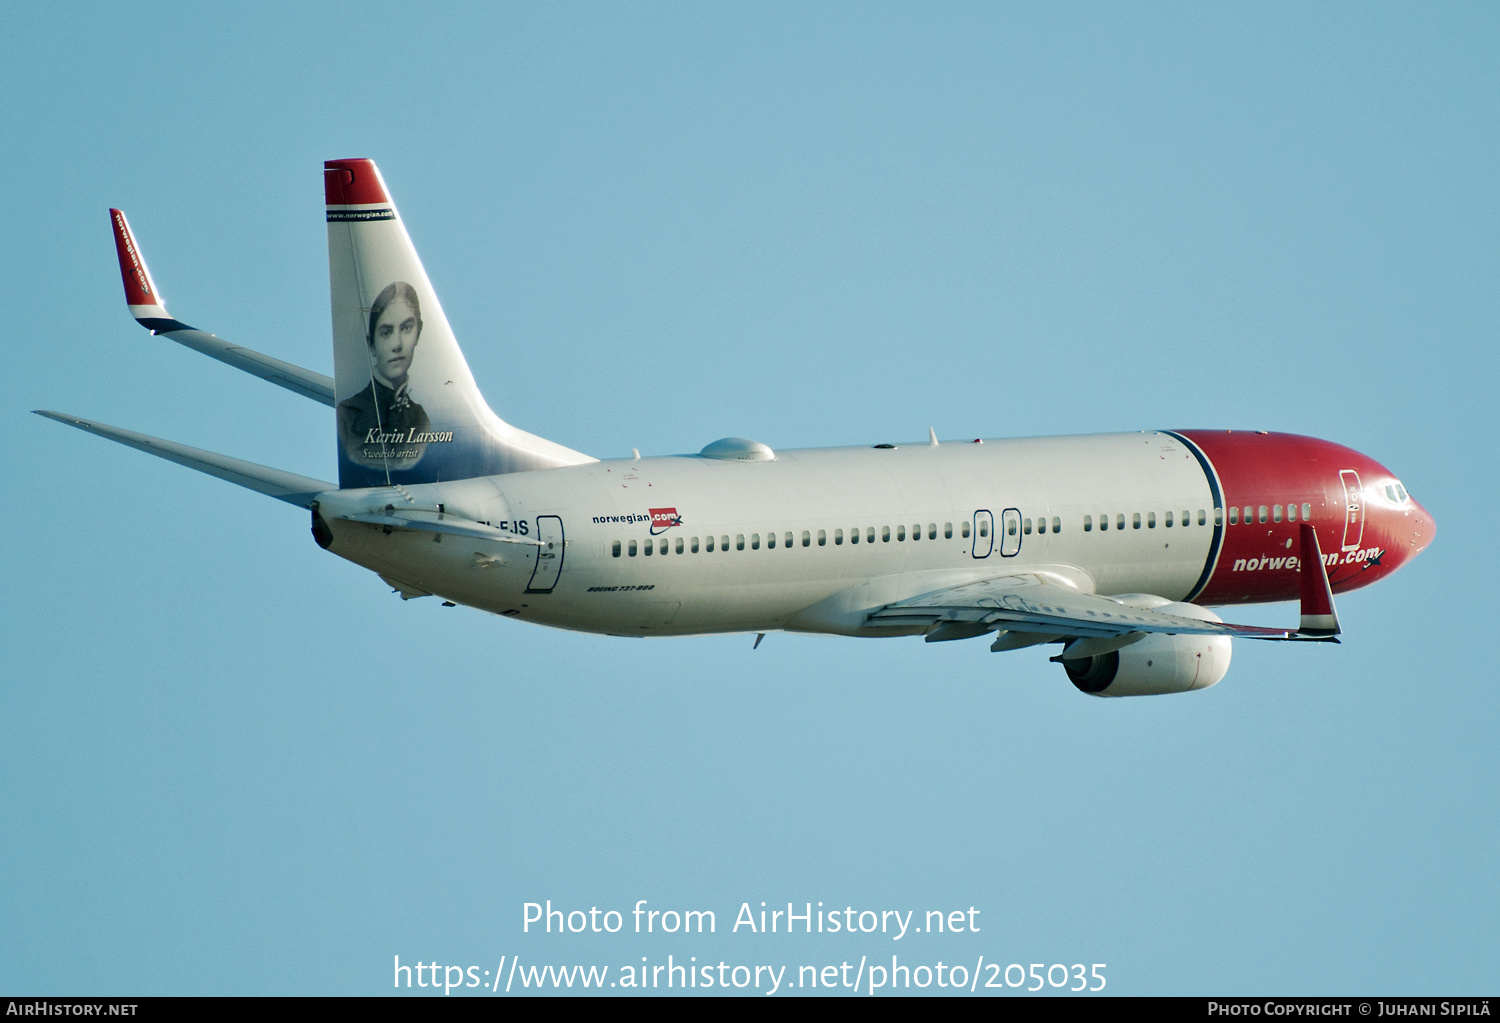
{"points": [[277, 483], [1036, 604], [150, 311]]}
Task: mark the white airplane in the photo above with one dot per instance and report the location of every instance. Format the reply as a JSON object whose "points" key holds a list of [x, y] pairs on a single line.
{"points": [[1112, 545]]}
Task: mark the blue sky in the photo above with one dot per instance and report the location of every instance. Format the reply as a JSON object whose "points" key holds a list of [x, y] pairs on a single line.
{"points": [[235, 764]]}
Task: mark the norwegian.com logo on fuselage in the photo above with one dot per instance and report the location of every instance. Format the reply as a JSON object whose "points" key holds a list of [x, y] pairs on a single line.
{"points": [[663, 519]]}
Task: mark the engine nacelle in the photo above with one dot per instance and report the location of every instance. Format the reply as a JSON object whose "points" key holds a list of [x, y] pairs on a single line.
{"points": [[1157, 664]]}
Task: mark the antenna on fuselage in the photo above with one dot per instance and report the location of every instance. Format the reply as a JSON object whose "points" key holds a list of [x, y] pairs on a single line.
{"points": [[932, 441]]}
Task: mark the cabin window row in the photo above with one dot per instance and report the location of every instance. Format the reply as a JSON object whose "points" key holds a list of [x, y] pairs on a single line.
{"points": [[1148, 520], [788, 539], [1264, 513]]}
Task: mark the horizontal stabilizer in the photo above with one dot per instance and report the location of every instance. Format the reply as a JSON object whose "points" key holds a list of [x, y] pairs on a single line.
{"points": [[436, 522], [150, 311], [277, 483]]}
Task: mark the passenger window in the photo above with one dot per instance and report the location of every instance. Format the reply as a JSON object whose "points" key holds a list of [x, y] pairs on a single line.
{"points": [[916, 531], [739, 541], [1010, 528], [885, 534], [648, 548], [1135, 520], [1306, 512], [665, 547], [632, 548], [947, 531], [838, 537], [984, 527], [615, 549], [854, 536], [869, 534], [755, 541], [1275, 513], [695, 543], [1026, 526], [1120, 521], [1234, 516], [901, 532], [724, 543], [788, 539], [1088, 523], [679, 545], [1291, 513], [708, 544], [966, 530], [1151, 520], [1262, 513], [1041, 525], [1056, 524], [1167, 521], [1103, 523], [822, 538], [932, 530], [806, 538]]}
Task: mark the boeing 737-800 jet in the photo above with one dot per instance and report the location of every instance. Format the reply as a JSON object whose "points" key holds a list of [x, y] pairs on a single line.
{"points": [[1113, 546]]}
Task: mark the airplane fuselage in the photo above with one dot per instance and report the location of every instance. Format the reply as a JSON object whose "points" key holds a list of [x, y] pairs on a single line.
{"points": [[812, 540]]}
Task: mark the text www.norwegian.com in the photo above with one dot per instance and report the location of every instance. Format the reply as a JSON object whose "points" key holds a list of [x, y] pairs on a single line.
{"points": [[512, 975]]}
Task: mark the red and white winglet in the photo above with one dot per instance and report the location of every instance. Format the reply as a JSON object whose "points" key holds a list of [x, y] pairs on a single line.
{"points": [[1318, 616], [145, 302]]}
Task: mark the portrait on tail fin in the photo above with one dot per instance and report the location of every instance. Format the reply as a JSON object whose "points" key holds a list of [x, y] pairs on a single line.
{"points": [[383, 425]]}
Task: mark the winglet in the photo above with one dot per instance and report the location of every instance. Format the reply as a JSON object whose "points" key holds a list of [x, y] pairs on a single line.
{"points": [[1318, 616], [144, 301]]}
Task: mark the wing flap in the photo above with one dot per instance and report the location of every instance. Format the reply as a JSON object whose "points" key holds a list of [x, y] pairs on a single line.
{"points": [[1030, 603]]}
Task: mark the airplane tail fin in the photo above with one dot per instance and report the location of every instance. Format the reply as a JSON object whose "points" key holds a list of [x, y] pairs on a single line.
{"points": [[408, 408]]}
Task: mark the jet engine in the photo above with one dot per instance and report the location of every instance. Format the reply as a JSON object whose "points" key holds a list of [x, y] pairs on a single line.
{"points": [[1157, 664]]}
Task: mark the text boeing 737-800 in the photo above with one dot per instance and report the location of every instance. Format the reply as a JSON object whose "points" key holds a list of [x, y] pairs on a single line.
{"points": [[1111, 546]]}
